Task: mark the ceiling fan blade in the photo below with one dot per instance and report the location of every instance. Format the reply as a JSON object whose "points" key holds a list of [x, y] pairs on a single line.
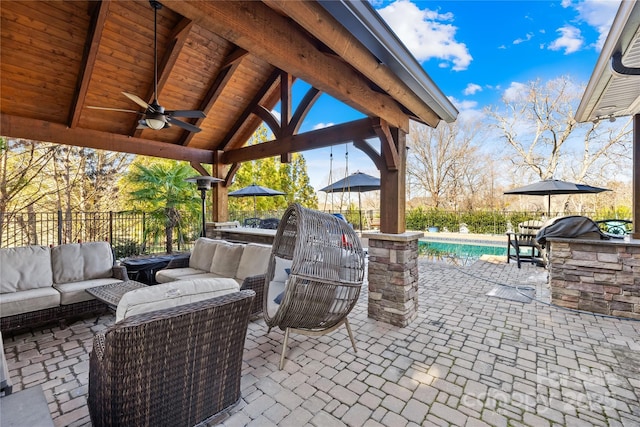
{"points": [[195, 114], [137, 100], [183, 125], [113, 109]]}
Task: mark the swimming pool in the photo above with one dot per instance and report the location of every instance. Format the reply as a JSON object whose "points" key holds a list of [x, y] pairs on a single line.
{"points": [[458, 253]]}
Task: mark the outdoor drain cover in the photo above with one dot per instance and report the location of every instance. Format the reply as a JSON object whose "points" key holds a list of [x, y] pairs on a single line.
{"points": [[522, 294]]}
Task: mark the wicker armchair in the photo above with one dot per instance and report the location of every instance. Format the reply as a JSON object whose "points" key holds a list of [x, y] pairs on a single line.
{"points": [[326, 274], [171, 367]]}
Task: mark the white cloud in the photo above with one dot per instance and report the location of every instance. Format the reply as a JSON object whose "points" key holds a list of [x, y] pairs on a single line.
{"points": [[526, 38], [516, 91], [468, 110], [322, 125], [471, 89], [598, 14], [426, 33], [570, 40]]}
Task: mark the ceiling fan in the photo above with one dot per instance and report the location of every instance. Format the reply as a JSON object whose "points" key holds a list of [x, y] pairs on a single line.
{"points": [[155, 116]]}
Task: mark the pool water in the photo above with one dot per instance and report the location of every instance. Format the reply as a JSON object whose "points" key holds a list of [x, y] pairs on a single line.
{"points": [[457, 253]]}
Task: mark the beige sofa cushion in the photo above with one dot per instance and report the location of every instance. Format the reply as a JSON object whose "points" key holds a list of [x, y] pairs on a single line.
{"points": [[25, 268], [172, 294], [226, 259], [73, 292], [254, 260], [167, 275], [81, 261], [28, 301], [202, 253]]}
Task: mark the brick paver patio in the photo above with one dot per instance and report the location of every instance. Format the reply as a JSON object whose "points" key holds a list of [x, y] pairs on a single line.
{"points": [[468, 360]]}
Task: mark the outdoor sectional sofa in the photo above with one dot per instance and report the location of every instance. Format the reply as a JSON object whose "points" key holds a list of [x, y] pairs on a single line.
{"points": [[212, 258], [39, 284]]}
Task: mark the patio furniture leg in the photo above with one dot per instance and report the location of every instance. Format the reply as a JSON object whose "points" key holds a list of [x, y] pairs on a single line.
{"points": [[353, 341], [284, 347]]}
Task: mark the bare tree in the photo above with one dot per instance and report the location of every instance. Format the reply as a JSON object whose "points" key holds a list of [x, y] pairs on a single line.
{"points": [[538, 125], [443, 163]]}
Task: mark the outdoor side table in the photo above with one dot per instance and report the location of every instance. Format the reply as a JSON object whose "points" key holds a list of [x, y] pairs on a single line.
{"points": [[112, 294], [143, 269]]}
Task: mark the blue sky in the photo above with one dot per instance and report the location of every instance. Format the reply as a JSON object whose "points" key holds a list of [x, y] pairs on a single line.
{"points": [[474, 51]]}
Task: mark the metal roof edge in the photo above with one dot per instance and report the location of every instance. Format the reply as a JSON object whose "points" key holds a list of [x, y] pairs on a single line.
{"points": [[602, 69], [374, 33]]}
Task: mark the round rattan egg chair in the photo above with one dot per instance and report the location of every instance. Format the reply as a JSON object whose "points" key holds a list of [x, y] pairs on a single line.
{"points": [[314, 276]]}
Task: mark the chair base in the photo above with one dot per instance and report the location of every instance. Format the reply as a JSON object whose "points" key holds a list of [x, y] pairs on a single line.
{"points": [[344, 322]]}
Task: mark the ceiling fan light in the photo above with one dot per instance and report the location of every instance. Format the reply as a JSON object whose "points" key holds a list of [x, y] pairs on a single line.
{"points": [[155, 123]]}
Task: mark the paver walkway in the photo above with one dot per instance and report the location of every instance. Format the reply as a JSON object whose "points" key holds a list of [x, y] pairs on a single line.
{"points": [[468, 360]]}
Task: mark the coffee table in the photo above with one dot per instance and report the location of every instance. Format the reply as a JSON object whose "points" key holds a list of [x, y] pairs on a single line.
{"points": [[112, 294]]}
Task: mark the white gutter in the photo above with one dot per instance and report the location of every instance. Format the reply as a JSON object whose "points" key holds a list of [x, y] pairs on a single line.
{"points": [[374, 33], [618, 41]]}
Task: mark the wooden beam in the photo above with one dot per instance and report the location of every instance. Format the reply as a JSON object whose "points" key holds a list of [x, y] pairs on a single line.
{"points": [[288, 48], [315, 19], [201, 170], [100, 13], [39, 130], [303, 108], [339, 134], [232, 61], [269, 119], [387, 146]]}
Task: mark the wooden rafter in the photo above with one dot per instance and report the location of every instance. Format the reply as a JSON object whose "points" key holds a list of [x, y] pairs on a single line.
{"points": [[271, 80], [98, 19], [231, 63], [323, 26], [288, 48], [39, 130]]}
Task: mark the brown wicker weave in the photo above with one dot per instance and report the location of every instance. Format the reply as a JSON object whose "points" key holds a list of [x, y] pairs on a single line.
{"points": [[327, 272], [173, 367]]}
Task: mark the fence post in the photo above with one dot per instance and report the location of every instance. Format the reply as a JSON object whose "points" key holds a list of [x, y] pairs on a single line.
{"points": [[111, 227], [59, 226]]}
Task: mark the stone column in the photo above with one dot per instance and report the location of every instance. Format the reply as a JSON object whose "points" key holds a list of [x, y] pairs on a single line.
{"points": [[393, 277]]}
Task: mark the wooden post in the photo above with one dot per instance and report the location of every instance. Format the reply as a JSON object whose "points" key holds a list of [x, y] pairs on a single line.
{"points": [[220, 200]]}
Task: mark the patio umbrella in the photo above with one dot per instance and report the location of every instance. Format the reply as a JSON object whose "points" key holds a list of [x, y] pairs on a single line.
{"points": [[255, 191], [358, 182], [549, 187]]}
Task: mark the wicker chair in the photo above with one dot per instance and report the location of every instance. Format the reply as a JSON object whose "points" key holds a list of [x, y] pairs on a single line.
{"points": [[173, 367], [326, 274]]}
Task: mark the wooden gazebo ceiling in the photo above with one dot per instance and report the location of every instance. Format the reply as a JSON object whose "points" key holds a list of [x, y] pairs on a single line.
{"points": [[233, 60]]}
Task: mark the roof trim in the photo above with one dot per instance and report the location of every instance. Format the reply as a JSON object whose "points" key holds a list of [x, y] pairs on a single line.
{"points": [[619, 39], [374, 33]]}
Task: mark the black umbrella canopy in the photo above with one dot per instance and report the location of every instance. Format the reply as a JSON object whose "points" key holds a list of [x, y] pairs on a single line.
{"points": [[254, 191], [358, 182], [549, 187]]}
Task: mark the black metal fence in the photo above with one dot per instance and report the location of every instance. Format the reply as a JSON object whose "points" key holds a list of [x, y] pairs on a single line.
{"points": [[127, 231]]}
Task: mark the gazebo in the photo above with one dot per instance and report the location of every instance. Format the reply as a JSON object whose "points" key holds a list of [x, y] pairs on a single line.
{"points": [[232, 60]]}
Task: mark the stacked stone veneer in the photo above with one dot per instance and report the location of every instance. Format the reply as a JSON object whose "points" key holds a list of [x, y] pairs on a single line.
{"points": [[600, 276], [393, 277]]}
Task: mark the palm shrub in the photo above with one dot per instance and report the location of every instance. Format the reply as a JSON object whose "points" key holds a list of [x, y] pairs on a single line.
{"points": [[161, 190]]}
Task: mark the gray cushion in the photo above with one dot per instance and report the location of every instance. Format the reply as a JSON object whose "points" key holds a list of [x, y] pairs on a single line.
{"points": [[75, 291], [25, 268], [171, 274], [172, 294], [254, 260], [202, 253], [28, 301], [81, 261], [226, 259]]}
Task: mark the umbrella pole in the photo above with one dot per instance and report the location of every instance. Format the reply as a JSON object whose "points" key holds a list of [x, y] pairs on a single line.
{"points": [[360, 210], [549, 206], [255, 207]]}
